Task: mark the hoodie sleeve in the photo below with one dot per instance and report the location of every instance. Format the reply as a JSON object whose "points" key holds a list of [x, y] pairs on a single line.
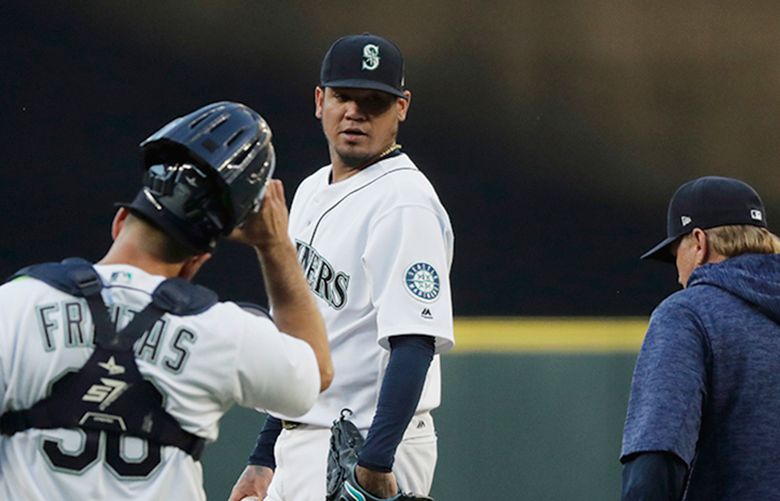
{"points": [[668, 389], [653, 476]]}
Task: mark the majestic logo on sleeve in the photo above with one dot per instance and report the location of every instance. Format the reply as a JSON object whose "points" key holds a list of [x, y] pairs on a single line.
{"points": [[323, 280], [370, 57], [422, 281]]}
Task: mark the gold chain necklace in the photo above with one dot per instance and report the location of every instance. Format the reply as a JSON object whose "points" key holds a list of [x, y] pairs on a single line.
{"points": [[393, 147]]}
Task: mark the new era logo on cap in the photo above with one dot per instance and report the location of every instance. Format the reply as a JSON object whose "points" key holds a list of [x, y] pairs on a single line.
{"points": [[685, 220], [756, 214]]}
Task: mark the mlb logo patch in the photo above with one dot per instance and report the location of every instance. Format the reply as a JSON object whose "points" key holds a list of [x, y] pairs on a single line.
{"points": [[122, 277]]}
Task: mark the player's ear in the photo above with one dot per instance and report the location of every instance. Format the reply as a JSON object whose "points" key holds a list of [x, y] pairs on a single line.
{"points": [[192, 265], [119, 222], [319, 97], [403, 105]]}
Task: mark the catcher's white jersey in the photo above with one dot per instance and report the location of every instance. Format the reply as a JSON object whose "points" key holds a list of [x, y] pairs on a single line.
{"points": [[376, 249], [202, 364]]}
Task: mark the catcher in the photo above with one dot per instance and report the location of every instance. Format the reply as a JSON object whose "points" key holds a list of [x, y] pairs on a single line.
{"points": [[114, 376]]}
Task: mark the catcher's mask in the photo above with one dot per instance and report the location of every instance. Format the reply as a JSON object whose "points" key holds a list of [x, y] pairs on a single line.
{"points": [[205, 173]]}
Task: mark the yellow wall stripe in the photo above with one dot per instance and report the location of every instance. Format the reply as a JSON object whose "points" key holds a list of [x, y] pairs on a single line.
{"points": [[590, 335]]}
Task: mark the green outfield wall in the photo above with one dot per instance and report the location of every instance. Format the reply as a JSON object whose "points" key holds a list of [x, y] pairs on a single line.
{"points": [[532, 409]]}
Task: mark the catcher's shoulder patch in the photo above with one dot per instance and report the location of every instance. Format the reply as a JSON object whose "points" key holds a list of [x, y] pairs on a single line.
{"points": [[422, 281]]}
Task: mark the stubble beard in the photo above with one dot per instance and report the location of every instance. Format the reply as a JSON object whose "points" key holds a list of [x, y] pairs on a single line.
{"points": [[358, 160], [354, 161]]}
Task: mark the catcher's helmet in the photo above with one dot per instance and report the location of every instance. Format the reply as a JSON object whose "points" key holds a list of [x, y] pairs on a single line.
{"points": [[205, 173]]}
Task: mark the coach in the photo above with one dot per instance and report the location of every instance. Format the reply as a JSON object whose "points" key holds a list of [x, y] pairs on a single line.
{"points": [[702, 421]]}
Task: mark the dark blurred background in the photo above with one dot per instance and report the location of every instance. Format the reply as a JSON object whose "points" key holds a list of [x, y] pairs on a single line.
{"points": [[555, 132]]}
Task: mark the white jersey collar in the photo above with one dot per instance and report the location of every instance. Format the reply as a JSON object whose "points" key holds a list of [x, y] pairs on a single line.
{"points": [[369, 173], [125, 275]]}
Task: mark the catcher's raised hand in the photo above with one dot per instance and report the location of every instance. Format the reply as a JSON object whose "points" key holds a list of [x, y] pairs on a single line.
{"points": [[268, 226]]}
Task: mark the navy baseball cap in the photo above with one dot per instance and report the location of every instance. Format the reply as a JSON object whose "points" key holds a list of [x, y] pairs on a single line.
{"points": [[705, 203], [364, 62]]}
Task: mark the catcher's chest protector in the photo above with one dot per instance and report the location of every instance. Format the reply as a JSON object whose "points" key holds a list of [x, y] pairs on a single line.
{"points": [[108, 393]]}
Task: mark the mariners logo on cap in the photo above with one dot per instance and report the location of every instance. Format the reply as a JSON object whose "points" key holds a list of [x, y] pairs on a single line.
{"points": [[422, 280], [370, 57]]}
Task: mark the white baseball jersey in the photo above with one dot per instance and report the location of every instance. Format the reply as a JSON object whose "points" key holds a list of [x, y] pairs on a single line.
{"points": [[202, 365], [376, 249]]}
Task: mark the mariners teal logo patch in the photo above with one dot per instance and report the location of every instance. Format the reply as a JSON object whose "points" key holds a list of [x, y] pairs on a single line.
{"points": [[422, 280]]}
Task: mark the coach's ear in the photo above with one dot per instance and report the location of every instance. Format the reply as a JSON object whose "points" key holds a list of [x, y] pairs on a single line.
{"points": [[119, 222], [319, 96]]}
